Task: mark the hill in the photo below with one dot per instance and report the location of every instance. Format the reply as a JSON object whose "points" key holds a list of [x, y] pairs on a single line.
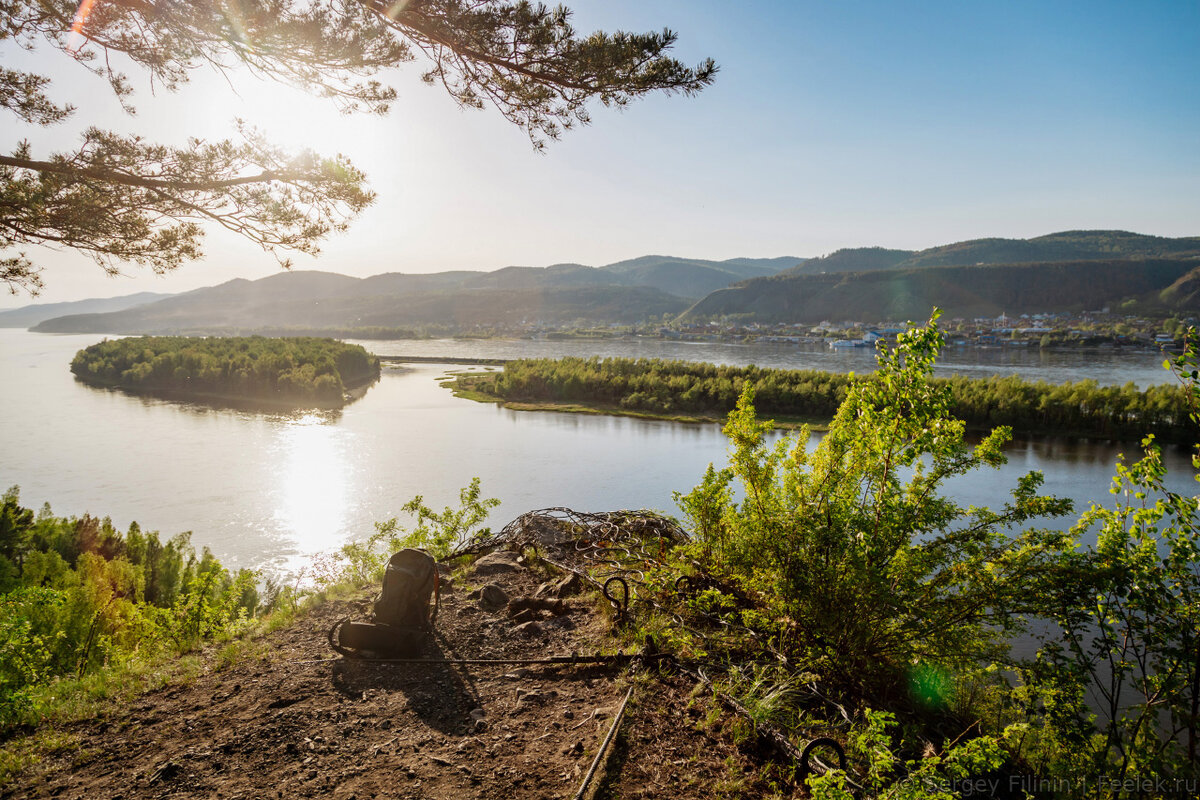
{"points": [[238, 307], [625, 292], [854, 259], [1054, 247], [694, 277], [1155, 284], [30, 315]]}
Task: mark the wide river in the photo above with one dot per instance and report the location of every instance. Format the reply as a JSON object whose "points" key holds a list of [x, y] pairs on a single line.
{"points": [[271, 490]]}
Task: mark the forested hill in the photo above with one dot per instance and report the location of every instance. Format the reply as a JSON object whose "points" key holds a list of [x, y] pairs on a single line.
{"points": [[624, 292], [1145, 285], [1062, 246]]}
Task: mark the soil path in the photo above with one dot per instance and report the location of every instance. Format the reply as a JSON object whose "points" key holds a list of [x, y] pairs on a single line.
{"points": [[298, 722]]}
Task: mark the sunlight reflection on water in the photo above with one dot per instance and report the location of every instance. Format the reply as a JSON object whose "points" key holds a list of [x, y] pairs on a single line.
{"points": [[312, 482]]}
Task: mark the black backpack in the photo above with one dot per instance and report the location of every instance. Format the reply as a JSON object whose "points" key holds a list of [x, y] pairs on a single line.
{"points": [[402, 620], [408, 583]]}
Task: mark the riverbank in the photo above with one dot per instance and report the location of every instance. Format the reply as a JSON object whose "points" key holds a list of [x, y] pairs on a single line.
{"points": [[461, 390], [1058, 340], [234, 401], [704, 393], [487, 362]]}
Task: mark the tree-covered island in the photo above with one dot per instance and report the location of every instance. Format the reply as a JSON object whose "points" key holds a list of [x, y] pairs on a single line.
{"points": [[291, 372], [695, 392]]}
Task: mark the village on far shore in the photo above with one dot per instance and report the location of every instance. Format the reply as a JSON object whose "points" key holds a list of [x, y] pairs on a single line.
{"points": [[1092, 329]]}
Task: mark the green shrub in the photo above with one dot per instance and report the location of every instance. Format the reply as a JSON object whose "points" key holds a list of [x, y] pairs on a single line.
{"points": [[853, 542]]}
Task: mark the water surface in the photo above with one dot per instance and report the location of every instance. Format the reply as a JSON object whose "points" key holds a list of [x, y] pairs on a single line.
{"points": [[270, 489]]}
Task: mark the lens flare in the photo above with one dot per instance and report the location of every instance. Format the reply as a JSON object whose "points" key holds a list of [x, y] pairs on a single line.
{"points": [[397, 7], [931, 686], [237, 23], [76, 38]]}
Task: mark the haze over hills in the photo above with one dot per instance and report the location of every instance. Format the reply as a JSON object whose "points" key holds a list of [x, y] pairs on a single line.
{"points": [[1067, 271], [625, 292], [30, 315]]}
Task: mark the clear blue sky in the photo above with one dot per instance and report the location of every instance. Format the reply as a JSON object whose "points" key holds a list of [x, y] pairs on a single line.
{"points": [[831, 124]]}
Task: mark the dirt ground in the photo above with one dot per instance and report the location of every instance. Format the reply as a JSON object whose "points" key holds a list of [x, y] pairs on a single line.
{"points": [[301, 722]]}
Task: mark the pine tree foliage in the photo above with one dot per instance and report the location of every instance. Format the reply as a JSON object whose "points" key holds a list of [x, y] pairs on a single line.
{"points": [[120, 199]]}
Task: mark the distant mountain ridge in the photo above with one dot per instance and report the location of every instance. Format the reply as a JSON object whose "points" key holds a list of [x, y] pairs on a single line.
{"points": [[27, 316], [625, 292], [1054, 247], [1065, 271], [1145, 284]]}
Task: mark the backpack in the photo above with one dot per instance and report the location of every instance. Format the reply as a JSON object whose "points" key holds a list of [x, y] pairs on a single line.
{"points": [[401, 621], [408, 582]]}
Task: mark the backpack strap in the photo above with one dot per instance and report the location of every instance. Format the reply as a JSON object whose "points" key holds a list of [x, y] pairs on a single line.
{"points": [[437, 596]]}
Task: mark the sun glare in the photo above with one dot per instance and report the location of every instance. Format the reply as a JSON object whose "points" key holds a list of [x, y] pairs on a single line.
{"points": [[313, 483]]}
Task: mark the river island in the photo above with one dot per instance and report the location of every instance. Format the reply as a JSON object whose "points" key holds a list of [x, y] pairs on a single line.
{"points": [[296, 372]]}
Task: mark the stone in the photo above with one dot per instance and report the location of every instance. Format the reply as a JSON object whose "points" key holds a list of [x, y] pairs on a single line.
{"points": [[497, 563], [519, 604], [166, 771], [528, 629], [569, 585], [492, 597]]}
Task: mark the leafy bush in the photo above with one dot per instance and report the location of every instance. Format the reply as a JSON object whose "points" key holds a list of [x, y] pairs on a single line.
{"points": [[439, 533], [853, 544], [867, 580], [1126, 636], [81, 597]]}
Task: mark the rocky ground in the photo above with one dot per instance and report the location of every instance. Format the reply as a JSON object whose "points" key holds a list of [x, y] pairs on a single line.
{"points": [[298, 721]]}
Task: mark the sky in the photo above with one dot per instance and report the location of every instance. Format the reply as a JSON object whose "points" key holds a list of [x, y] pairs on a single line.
{"points": [[830, 125]]}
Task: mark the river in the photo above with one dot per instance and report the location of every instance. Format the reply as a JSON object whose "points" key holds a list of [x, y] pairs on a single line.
{"points": [[272, 489]]}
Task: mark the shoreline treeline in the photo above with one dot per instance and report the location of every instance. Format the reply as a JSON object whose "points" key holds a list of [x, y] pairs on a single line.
{"points": [[657, 386], [78, 596], [293, 370]]}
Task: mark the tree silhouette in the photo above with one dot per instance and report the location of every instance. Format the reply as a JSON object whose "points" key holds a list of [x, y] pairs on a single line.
{"points": [[121, 199]]}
